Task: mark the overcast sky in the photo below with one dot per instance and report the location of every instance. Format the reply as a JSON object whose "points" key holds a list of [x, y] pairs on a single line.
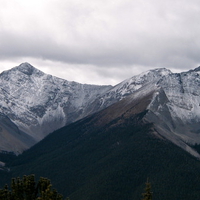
{"points": [[100, 41]]}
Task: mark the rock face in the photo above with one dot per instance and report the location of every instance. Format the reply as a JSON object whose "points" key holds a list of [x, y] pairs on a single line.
{"points": [[36, 104], [174, 107], [12, 139]]}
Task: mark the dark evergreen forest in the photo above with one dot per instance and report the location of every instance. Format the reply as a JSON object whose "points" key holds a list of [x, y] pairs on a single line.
{"points": [[88, 161]]}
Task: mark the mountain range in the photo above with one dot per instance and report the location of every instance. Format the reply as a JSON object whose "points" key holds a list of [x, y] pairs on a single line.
{"points": [[34, 104], [102, 142]]}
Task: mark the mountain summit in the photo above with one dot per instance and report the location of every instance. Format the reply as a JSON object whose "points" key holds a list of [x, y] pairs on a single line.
{"points": [[27, 69]]}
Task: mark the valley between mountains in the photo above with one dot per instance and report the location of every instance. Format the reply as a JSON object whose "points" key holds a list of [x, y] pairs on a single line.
{"points": [[102, 142]]}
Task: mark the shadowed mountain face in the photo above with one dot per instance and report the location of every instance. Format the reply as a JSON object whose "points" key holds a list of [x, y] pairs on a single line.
{"points": [[12, 138], [110, 154]]}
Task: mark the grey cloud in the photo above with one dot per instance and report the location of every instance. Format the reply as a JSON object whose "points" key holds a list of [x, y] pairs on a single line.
{"points": [[114, 37], [146, 52]]}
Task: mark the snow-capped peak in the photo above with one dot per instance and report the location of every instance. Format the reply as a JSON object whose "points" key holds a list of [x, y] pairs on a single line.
{"points": [[26, 68], [39, 103], [131, 85]]}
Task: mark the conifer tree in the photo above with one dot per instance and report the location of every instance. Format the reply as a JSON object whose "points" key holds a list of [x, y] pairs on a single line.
{"points": [[148, 194], [28, 189]]}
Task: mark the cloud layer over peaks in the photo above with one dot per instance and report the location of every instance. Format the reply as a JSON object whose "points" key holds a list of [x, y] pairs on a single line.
{"points": [[113, 40]]}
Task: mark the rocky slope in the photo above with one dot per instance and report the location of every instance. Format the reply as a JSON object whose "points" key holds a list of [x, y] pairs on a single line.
{"points": [[174, 108], [38, 103]]}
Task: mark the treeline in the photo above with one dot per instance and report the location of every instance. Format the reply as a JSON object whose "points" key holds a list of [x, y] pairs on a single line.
{"points": [[28, 189]]}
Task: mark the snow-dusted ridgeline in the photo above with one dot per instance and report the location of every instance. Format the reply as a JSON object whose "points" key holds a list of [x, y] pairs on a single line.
{"points": [[38, 103]]}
